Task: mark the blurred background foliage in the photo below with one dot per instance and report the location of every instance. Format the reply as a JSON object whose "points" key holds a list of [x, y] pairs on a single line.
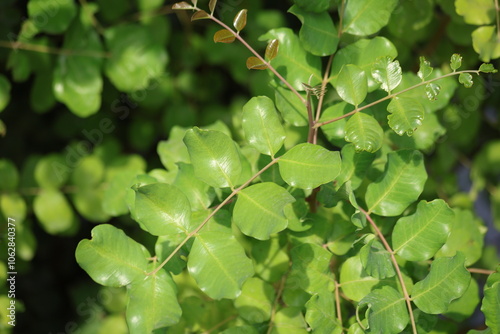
{"points": [[93, 86]]}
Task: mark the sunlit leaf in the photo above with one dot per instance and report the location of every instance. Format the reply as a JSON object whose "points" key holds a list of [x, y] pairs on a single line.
{"points": [[270, 268], [52, 17], [351, 84], [387, 311], [364, 132], [258, 212], [182, 5], [354, 165], [447, 280], [400, 185], [432, 90], [262, 126], [218, 263], [254, 63], [317, 6], [152, 303], [455, 61], [224, 36], [487, 68], [111, 258], [406, 115], [214, 156], [293, 62], [387, 72], [419, 236], [308, 166], [162, 209], [53, 211], [465, 79], [240, 20], [200, 15], [364, 18], [290, 106], [485, 43], [462, 308], [477, 12], [425, 69], [289, 320], [317, 34], [272, 49]]}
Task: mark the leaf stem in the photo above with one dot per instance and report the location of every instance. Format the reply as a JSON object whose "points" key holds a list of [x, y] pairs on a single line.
{"points": [[390, 96], [396, 267], [269, 66], [341, 18], [210, 216], [321, 99], [481, 271], [275, 303], [51, 50], [337, 304]]}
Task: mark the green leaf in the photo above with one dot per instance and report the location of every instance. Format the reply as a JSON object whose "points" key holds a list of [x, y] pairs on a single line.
{"points": [[387, 72], [214, 156], [308, 166], [447, 280], [12, 205], [364, 132], [376, 260], [271, 259], [485, 43], [462, 308], [9, 176], [88, 203], [152, 303], [218, 263], [199, 194], [183, 5], [487, 68], [354, 165], [200, 15], [311, 269], [477, 12], [321, 314], [258, 212], [419, 236], [387, 310], [293, 62], [363, 53], [465, 79], [240, 20], [356, 283], [51, 171], [291, 108], [351, 84], [313, 6], [455, 61], [254, 63], [289, 320], [490, 303], [467, 237], [425, 69], [77, 80], [4, 92], [406, 115], [262, 125], [211, 6], [317, 34], [54, 211], [256, 301], [136, 57], [224, 36], [400, 185], [364, 18], [432, 90], [89, 172], [52, 17], [111, 258], [162, 209]]}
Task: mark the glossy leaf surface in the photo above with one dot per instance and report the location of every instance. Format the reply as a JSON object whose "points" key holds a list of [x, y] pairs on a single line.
{"points": [[364, 132]]}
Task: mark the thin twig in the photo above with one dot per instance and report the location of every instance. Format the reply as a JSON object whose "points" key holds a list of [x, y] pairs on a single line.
{"points": [[51, 50], [210, 216], [269, 66], [326, 75], [396, 267], [390, 96], [220, 324], [481, 271], [337, 304], [275, 303], [341, 18]]}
